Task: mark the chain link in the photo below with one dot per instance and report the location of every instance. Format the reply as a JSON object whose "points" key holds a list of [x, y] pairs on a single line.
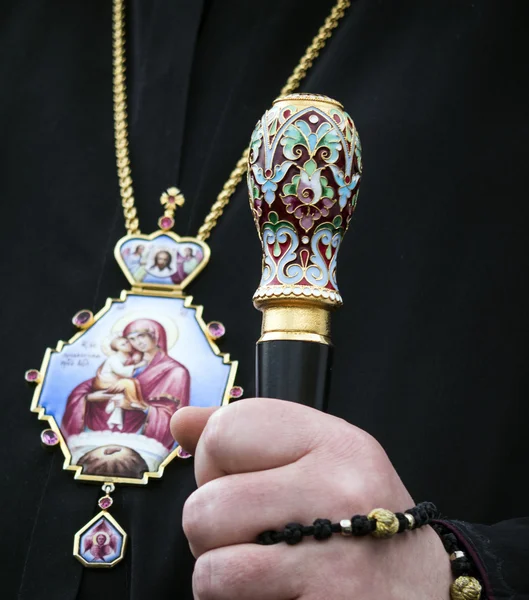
{"points": [[316, 46], [121, 124], [121, 135]]}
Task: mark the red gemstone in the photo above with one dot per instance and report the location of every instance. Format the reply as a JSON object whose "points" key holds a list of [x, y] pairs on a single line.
{"points": [[32, 375], [347, 179], [166, 222], [287, 113], [49, 437], [216, 329], [336, 118], [236, 391], [268, 173], [82, 317], [105, 502]]}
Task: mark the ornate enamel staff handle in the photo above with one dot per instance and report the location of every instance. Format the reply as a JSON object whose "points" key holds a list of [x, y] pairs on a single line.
{"points": [[304, 170]]}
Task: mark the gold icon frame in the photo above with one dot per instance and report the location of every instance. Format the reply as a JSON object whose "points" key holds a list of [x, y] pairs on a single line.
{"points": [[177, 451]]}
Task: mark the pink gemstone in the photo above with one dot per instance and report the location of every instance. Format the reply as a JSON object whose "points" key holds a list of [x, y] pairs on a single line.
{"points": [[166, 222], [49, 437], [336, 118], [32, 375], [287, 113], [171, 200], [82, 317], [105, 502], [216, 329], [236, 391]]}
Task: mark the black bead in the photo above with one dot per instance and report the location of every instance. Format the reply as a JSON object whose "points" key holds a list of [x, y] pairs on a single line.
{"points": [[293, 534], [267, 538], [322, 529]]}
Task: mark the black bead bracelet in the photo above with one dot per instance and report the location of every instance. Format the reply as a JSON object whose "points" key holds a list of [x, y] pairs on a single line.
{"points": [[466, 585], [380, 523]]}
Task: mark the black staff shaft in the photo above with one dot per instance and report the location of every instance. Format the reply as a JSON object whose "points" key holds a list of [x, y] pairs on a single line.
{"points": [[298, 371]]}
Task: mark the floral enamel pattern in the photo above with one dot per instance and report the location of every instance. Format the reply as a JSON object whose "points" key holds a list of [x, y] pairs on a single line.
{"points": [[304, 172]]}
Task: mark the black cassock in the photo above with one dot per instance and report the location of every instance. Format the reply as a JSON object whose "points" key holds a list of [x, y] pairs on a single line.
{"points": [[432, 344]]}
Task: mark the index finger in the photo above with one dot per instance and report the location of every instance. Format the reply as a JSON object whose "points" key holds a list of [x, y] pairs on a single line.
{"points": [[258, 434]]}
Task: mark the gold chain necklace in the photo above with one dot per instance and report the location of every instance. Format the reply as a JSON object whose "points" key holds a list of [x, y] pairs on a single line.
{"points": [[108, 393], [121, 127]]}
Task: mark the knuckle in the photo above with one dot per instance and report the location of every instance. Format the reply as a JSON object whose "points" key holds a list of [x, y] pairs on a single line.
{"points": [[203, 585], [215, 431], [228, 572], [349, 441], [223, 424], [366, 442], [360, 466], [193, 516], [199, 515]]}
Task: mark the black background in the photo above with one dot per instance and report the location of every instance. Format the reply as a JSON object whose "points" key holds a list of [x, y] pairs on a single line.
{"points": [[431, 346]]}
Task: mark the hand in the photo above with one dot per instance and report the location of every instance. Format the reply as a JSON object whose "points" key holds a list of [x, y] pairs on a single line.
{"points": [[127, 405], [99, 396], [261, 464], [143, 406], [121, 401]]}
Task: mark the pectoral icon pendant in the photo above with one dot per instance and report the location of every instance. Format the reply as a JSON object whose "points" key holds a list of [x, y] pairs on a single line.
{"points": [[109, 392]]}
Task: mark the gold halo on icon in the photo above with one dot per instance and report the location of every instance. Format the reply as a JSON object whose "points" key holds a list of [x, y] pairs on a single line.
{"points": [[171, 328]]}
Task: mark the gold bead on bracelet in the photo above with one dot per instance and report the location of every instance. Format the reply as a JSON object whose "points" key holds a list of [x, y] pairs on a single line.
{"points": [[465, 588], [387, 524]]}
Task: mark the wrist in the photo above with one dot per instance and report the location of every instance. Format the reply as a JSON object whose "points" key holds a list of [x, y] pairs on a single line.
{"points": [[440, 573], [467, 584]]}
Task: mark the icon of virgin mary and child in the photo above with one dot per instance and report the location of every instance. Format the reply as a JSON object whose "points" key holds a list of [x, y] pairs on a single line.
{"points": [[121, 416]]}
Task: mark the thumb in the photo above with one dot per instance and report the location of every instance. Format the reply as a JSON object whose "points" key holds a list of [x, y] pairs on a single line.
{"points": [[187, 425]]}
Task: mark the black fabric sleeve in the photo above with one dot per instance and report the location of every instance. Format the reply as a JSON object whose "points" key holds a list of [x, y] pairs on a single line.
{"points": [[500, 554]]}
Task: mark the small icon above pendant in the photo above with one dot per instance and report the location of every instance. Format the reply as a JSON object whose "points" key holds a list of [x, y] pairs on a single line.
{"points": [[162, 260]]}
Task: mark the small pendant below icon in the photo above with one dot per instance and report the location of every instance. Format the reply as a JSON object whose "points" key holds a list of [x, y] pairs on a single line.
{"points": [[101, 542]]}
